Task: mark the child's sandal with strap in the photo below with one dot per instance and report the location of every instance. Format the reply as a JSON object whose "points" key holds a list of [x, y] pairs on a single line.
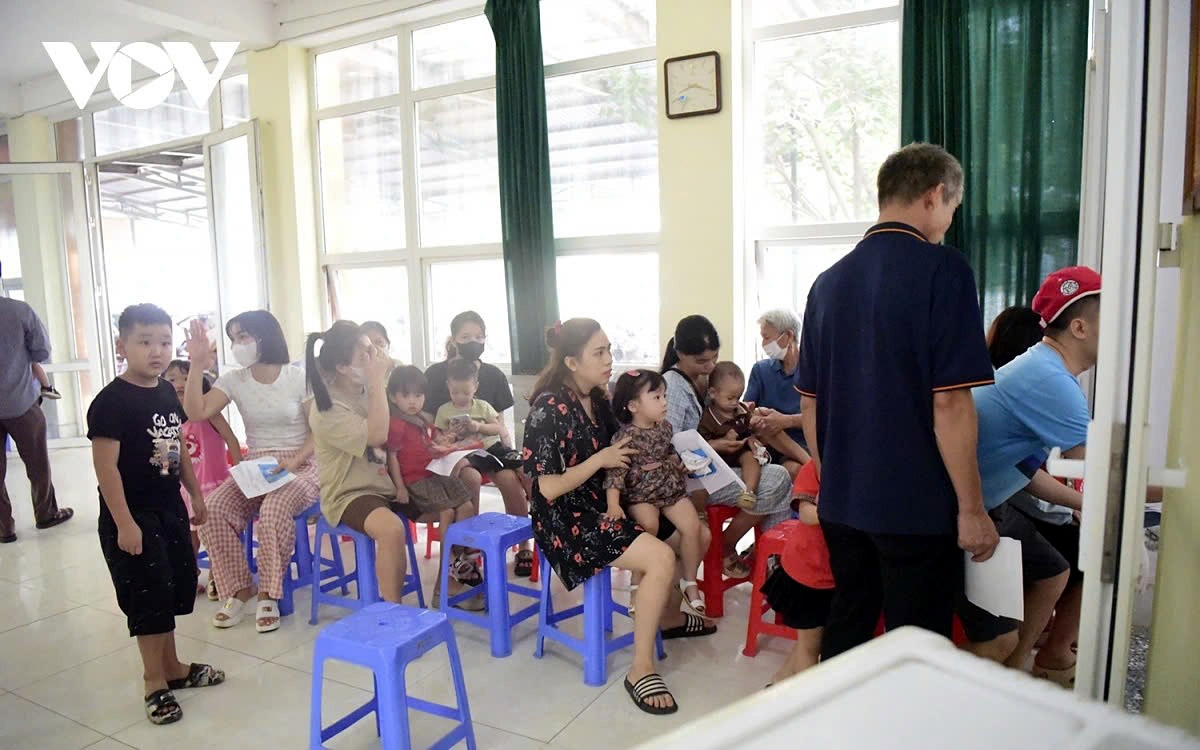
{"points": [[162, 708]]}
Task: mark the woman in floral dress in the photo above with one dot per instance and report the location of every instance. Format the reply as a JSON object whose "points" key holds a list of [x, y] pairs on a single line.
{"points": [[566, 452]]}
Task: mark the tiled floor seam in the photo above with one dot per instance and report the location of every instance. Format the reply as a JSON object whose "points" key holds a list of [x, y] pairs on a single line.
{"points": [[17, 695]]}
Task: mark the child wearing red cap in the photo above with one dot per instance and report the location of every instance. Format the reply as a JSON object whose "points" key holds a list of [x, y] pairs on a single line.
{"points": [[800, 590]]}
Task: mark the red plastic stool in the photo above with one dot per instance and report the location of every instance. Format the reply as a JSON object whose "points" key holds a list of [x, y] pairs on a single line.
{"points": [[771, 543], [713, 582], [957, 635]]}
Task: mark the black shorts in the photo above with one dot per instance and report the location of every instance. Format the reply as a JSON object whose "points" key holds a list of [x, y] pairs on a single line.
{"points": [[797, 605], [1064, 538], [158, 585], [1039, 561]]}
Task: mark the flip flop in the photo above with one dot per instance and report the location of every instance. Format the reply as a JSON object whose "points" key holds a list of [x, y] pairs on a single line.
{"points": [[200, 675], [692, 627], [234, 610], [162, 708], [650, 686], [267, 609], [524, 564]]}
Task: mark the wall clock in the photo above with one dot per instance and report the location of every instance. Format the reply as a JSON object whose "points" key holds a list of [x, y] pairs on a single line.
{"points": [[693, 85]]}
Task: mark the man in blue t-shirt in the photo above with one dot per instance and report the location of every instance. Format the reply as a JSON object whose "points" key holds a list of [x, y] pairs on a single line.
{"points": [[892, 345], [1036, 404]]}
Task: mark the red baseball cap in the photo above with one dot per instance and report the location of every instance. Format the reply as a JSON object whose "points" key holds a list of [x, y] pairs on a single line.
{"points": [[1062, 288]]}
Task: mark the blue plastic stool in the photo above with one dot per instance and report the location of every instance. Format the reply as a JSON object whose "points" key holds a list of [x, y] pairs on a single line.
{"points": [[363, 574], [493, 534], [385, 637], [597, 609]]}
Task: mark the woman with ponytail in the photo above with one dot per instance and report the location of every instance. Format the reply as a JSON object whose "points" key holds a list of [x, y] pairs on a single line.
{"points": [[270, 395], [690, 358], [348, 377], [567, 436]]}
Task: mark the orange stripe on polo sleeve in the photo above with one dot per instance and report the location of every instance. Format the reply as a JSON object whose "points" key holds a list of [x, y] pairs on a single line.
{"points": [[960, 386]]}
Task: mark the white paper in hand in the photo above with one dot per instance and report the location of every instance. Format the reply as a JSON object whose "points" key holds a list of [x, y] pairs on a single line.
{"points": [[255, 478], [446, 463], [695, 451], [996, 584]]}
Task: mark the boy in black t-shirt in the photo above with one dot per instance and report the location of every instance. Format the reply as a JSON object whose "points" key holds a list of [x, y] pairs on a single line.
{"points": [[134, 425]]}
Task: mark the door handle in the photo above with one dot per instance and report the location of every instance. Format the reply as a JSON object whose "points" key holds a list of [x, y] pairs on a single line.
{"points": [[1157, 476]]}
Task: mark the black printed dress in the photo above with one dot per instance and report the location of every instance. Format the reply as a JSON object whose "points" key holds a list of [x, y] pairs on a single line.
{"points": [[572, 531]]}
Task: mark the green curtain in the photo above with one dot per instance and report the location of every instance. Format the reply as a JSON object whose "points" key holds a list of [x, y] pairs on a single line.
{"points": [[525, 201], [1000, 84]]}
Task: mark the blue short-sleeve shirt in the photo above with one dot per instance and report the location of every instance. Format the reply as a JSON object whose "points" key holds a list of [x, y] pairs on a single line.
{"points": [[885, 328], [1035, 404], [773, 388]]}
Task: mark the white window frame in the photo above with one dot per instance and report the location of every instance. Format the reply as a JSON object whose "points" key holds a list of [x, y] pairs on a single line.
{"points": [[416, 257], [798, 235]]}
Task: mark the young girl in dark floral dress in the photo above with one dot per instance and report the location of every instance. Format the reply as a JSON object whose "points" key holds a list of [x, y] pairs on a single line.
{"points": [[653, 483], [566, 452]]}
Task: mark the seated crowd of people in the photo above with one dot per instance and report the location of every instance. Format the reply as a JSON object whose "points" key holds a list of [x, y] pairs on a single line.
{"points": [[885, 427]]}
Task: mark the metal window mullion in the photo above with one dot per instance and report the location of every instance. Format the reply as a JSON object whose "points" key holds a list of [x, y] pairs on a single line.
{"points": [[827, 23], [600, 62], [410, 179], [359, 107]]}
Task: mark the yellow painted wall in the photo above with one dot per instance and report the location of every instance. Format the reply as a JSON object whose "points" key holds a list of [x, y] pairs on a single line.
{"points": [[1173, 684], [698, 169], [279, 99]]}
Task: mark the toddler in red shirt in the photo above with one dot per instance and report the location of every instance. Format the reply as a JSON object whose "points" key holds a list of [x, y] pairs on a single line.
{"points": [[800, 590]]}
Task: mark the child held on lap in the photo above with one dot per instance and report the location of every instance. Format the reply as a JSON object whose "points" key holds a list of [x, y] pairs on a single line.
{"points": [[726, 425], [800, 590], [413, 441], [206, 441], [134, 425], [654, 481]]}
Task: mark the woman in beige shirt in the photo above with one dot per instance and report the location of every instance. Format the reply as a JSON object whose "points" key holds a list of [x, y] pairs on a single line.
{"points": [[350, 428]]}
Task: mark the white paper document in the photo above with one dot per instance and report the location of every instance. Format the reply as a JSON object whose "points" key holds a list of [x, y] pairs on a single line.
{"points": [[997, 584], [712, 473], [446, 463], [254, 477]]}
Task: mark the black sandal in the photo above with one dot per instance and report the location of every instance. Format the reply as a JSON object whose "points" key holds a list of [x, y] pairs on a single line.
{"points": [[692, 627], [650, 686], [200, 675], [62, 516], [524, 566], [162, 708]]}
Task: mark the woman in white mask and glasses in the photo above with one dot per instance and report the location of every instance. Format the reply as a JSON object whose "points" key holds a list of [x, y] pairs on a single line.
{"points": [[271, 396], [771, 386]]}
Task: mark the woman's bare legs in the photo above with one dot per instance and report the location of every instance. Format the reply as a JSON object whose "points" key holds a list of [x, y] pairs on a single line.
{"points": [[655, 561], [391, 552], [646, 516]]}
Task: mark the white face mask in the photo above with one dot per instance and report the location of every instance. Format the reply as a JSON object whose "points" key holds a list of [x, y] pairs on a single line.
{"points": [[245, 354], [773, 350]]}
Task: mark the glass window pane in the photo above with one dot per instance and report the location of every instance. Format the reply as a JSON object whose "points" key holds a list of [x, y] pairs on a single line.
{"points": [[458, 285], [363, 71], [585, 284], [459, 174], [362, 189], [572, 29], [604, 150], [453, 52], [235, 100], [788, 272], [10, 252], [121, 128], [376, 293], [767, 12], [4, 157], [829, 109]]}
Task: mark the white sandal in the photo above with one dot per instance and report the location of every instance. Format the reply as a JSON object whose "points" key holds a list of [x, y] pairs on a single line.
{"points": [[696, 606], [234, 610], [267, 609], [633, 587]]}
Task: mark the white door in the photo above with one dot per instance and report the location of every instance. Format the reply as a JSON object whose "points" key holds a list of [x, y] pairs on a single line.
{"points": [[47, 255], [1126, 121], [232, 168]]}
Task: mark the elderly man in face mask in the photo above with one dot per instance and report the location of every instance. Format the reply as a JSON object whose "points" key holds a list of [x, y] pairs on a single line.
{"points": [[772, 388]]}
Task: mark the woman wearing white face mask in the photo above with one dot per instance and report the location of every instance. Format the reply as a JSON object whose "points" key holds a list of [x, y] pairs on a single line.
{"points": [[771, 387], [271, 396]]}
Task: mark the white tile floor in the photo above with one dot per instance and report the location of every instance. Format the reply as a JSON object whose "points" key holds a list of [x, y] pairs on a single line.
{"points": [[70, 675]]}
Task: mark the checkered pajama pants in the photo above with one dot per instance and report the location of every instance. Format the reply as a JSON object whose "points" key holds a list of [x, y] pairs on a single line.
{"points": [[228, 513]]}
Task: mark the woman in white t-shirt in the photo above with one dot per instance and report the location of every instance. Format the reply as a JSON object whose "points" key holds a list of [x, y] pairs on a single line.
{"points": [[271, 396]]}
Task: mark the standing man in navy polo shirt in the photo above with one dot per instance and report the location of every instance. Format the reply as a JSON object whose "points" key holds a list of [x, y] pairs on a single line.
{"points": [[893, 344]]}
